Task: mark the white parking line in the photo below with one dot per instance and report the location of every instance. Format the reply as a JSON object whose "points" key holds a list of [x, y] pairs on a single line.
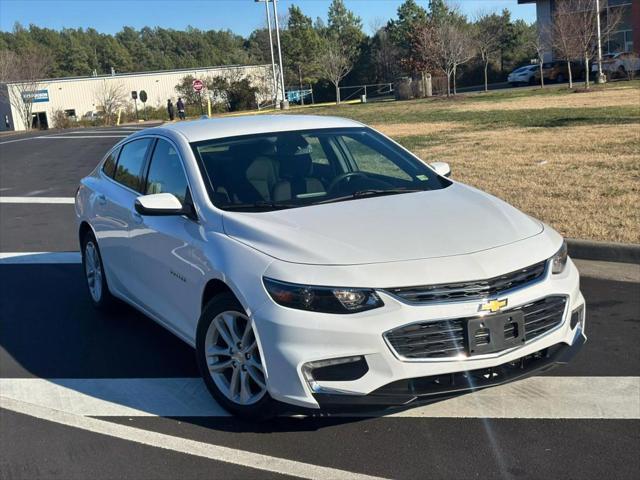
{"points": [[63, 136], [93, 132], [12, 258], [534, 398], [51, 200], [182, 445], [80, 136]]}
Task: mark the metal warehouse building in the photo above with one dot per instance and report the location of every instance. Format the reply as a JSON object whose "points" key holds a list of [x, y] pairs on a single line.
{"points": [[78, 96]]}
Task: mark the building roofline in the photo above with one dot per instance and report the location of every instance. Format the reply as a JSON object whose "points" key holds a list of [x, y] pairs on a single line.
{"points": [[134, 74]]}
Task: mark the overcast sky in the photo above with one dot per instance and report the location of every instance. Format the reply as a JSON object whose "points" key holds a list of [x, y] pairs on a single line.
{"points": [[241, 16]]}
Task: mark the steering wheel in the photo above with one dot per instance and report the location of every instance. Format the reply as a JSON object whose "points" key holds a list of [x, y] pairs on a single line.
{"points": [[342, 178]]}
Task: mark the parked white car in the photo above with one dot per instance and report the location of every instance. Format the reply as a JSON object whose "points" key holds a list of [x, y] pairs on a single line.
{"points": [[523, 75], [314, 262], [618, 64]]}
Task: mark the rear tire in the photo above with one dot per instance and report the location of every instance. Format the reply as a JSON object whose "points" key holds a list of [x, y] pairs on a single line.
{"points": [[94, 274], [230, 361]]}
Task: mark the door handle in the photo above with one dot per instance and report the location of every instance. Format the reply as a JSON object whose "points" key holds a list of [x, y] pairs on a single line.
{"points": [[102, 199], [137, 217]]}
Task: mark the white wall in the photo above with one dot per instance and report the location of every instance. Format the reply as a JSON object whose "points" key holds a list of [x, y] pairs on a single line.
{"points": [[80, 93]]}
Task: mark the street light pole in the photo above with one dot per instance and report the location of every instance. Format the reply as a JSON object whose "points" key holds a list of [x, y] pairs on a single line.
{"points": [[285, 104], [273, 61], [600, 78]]}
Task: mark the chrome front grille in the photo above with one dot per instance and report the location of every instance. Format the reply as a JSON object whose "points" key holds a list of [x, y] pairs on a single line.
{"points": [[473, 290], [447, 338]]}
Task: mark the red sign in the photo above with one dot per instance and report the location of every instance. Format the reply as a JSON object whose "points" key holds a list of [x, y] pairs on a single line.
{"points": [[197, 85]]}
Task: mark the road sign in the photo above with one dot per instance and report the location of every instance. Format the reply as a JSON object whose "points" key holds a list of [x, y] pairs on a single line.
{"points": [[143, 96], [197, 85], [134, 95]]}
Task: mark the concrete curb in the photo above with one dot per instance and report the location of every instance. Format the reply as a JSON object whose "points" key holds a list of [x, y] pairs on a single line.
{"points": [[604, 251]]}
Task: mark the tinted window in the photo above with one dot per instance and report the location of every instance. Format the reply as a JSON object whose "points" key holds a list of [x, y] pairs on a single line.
{"points": [[130, 163], [109, 166], [166, 174]]}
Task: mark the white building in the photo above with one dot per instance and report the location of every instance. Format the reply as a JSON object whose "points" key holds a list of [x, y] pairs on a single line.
{"points": [[78, 96]]}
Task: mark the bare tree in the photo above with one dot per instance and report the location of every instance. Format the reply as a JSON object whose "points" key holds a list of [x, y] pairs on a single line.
{"points": [[563, 37], [335, 61], [110, 97], [538, 43], [582, 15], [453, 47], [487, 40], [26, 71]]}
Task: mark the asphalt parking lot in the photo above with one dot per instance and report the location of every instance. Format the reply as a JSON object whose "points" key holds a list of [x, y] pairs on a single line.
{"points": [[85, 394]]}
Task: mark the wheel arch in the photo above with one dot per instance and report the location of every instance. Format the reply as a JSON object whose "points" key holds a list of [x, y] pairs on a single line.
{"points": [[214, 287], [83, 230]]}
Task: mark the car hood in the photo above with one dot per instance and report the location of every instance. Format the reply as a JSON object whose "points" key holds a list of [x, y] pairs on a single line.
{"points": [[456, 220]]}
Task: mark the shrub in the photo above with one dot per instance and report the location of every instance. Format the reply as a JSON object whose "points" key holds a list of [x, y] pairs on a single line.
{"points": [[61, 120]]}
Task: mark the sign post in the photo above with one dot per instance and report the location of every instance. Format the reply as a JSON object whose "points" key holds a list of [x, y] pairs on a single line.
{"points": [[143, 99], [134, 95], [197, 87]]}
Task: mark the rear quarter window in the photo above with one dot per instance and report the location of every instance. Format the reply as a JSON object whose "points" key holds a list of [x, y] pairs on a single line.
{"points": [[130, 162], [109, 166]]}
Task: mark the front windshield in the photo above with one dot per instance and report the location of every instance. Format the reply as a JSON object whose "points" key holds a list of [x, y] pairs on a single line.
{"points": [[296, 169]]}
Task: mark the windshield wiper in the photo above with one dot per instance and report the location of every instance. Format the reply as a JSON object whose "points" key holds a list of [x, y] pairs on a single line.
{"points": [[371, 192], [260, 206]]}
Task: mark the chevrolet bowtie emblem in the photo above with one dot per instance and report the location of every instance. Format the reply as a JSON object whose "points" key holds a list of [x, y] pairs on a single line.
{"points": [[493, 306]]}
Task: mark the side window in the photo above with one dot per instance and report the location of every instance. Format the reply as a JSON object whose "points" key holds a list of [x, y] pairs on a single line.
{"points": [[109, 166], [129, 169], [316, 151], [370, 161], [166, 174]]}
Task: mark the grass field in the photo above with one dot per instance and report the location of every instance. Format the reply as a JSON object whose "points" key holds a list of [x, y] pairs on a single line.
{"points": [[570, 159]]}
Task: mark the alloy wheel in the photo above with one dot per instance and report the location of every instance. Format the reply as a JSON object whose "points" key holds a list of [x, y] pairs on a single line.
{"points": [[233, 358], [93, 271]]}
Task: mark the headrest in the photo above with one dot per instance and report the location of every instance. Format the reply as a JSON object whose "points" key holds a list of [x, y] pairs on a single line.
{"points": [[296, 166]]}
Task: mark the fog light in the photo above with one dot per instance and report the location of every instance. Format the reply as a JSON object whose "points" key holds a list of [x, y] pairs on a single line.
{"points": [[577, 317], [343, 369]]}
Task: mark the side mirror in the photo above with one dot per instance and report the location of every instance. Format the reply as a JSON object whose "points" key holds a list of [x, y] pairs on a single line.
{"points": [[158, 204], [442, 168]]}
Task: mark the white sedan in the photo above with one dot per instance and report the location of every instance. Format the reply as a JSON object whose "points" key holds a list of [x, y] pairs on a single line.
{"points": [[314, 262]]}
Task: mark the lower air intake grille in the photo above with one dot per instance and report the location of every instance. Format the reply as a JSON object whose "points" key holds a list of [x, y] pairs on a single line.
{"points": [[446, 338]]}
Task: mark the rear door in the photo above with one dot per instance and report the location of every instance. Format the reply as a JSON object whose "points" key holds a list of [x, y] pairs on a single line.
{"points": [[166, 256], [116, 212]]}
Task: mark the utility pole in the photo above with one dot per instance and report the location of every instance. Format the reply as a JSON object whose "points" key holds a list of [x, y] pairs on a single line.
{"points": [[601, 78], [273, 60], [284, 105]]}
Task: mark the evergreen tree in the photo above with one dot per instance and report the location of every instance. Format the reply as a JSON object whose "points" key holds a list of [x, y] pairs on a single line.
{"points": [[301, 47]]}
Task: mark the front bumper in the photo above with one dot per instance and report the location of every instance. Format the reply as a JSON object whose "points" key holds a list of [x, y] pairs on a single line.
{"points": [[289, 339], [439, 387]]}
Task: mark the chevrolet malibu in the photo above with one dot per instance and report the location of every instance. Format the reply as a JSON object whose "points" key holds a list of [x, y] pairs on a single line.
{"points": [[314, 262]]}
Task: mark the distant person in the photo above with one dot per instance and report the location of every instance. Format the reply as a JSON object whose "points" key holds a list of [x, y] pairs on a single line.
{"points": [[180, 105], [7, 123], [170, 110]]}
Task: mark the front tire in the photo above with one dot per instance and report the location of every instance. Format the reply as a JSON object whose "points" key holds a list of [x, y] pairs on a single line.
{"points": [[94, 273], [230, 361]]}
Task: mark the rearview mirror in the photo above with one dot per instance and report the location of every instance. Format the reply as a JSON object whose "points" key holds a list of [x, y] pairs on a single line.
{"points": [[158, 204], [441, 168]]}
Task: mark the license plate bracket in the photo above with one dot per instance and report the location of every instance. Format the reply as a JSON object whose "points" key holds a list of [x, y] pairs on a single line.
{"points": [[493, 333]]}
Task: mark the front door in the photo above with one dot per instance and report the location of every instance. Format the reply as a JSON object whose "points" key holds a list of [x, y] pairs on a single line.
{"points": [[165, 255]]}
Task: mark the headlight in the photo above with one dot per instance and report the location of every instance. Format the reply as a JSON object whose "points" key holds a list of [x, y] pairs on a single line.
{"points": [[559, 260], [322, 299]]}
